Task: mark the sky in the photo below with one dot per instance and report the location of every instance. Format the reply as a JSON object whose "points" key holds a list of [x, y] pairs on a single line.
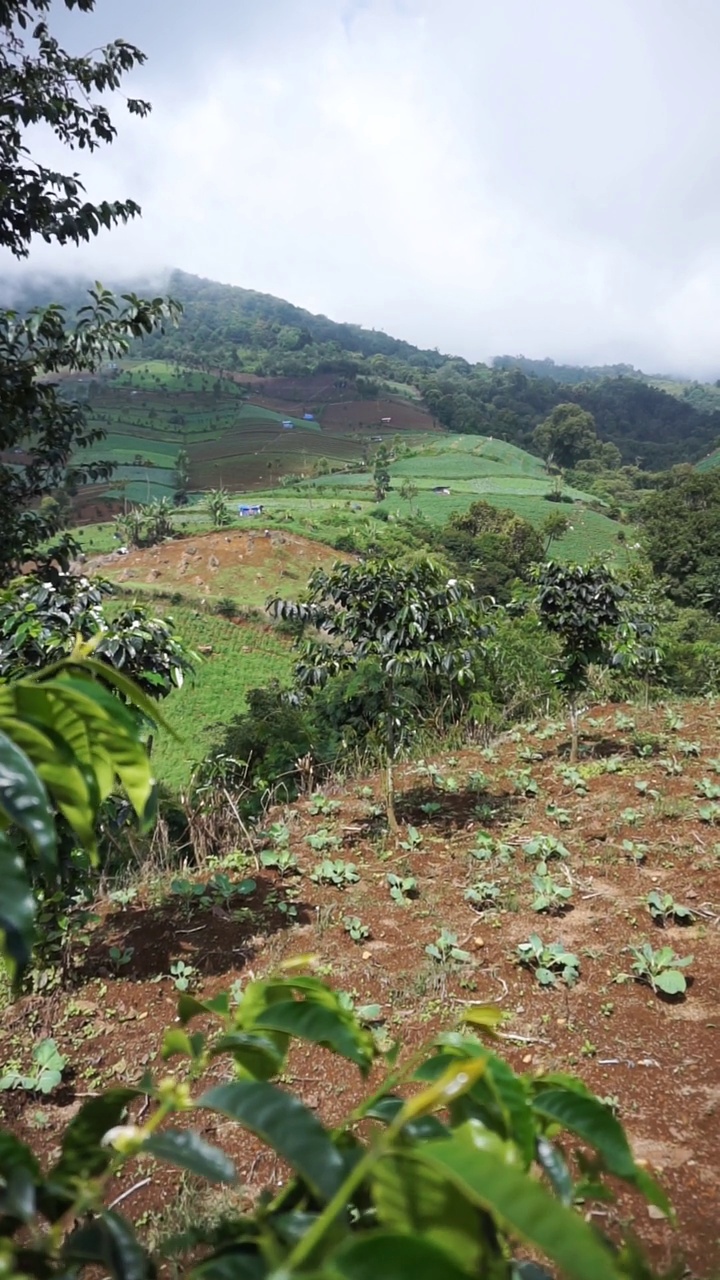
{"points": [[483, 176]]}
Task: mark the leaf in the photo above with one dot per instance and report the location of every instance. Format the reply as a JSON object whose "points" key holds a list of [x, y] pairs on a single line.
{"points": [[387, 1256], [187, 1150], [243, 1262], [257, 1056], [519, 1204], [592, 1121], [285, 1124], [413, 1198], [553, 1164], [671, 981], [189, 1007], [454, 1081], [110, 1241], [330, 1028], [82, 1155], [17, 911], [25, 801], [485, 1018]]}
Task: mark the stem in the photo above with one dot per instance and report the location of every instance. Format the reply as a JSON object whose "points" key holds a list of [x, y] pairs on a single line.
{"points": [[334, 1207], [574, 734]]}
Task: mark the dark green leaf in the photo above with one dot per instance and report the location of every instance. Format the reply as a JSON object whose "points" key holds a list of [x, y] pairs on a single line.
{"points": [[17, 910], [256, 1055], [243, 1263], [322, 1026], [111, 1242], [24, 799], [385, 1256], [288, 1126], [82, 1155], [592, 1121], [187, 1150], [483, 1172], [414, 1198]]}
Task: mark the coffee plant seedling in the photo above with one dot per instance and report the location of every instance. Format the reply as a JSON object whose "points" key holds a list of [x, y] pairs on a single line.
{"points": [[483, 894], [45, 1075], [354, 926], [335, 871], [550, 895], [707, 789], [635, 850], [661, 968], [401, 888], [445, 949], [663, 907], [550, 963]]}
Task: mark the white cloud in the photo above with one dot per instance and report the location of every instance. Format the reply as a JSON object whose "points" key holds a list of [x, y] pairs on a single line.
{"points": [[478, 176]]}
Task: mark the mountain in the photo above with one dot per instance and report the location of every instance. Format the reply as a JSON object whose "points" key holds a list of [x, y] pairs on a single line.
{"points": [[655, 423]]}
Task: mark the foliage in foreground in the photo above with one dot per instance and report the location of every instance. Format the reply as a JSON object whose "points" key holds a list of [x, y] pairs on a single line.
{"points": [[440, 1180]]}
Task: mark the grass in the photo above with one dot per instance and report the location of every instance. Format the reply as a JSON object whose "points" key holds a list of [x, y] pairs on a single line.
{"points": [[245, 656]]}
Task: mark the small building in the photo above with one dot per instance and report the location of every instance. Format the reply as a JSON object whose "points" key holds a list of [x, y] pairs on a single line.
{"points": [[309, 417], [440, 488], [385, 421], [250, 509], [288, 424]]}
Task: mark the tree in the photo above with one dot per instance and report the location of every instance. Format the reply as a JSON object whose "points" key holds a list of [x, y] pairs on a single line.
{"points": [[581, 606], [553, 528], [567, 435], [182, 476], [408, 492], [381, 474], [217, 506], [43, 85], [681, 533], [404, 617]]}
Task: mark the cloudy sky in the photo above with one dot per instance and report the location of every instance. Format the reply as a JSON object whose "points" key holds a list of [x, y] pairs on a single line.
{"points": [[485, 176]]}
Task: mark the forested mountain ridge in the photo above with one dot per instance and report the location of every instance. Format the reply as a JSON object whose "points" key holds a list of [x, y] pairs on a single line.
{"points": [[242, 331]]}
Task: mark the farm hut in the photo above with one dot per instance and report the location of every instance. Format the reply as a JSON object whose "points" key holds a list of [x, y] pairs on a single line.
{"points": [[288, 425], [309, 417], [247, 509], [385, 421], [440, 488]]}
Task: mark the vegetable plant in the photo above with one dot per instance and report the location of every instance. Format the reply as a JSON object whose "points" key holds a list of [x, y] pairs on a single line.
{"points": [[483, 894], [335, 871], [663, 907], [660, 968], [550, 895], [120, 956], [44, 1076], [412, 841], [280, 859], [445, 949], [544, 847], [182, 974], [550, 962], [321, 804], [354, 926], [322, 839], [401, 887]]}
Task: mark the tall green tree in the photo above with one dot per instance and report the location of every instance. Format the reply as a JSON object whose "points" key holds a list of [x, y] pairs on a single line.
{"points": [[40, 431], [566, 435]]}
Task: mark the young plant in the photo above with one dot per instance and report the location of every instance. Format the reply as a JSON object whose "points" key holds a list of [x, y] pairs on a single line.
{"points": [[543, 848], [661, 969], [281, 860], [573, 778], [445, 949], [321, 804], [45, 1075], [550, 895], [557, 814], [663, 907], [322, 839], [402, 888], [355, 927], [119, 957], [550, 963], [635, 850], [335, 871], [483, 894], [412, 841], [182, 974], [707, 789]]}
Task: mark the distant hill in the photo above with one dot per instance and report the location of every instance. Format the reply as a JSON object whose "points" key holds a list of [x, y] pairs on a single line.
{"points": [[655, 423]]}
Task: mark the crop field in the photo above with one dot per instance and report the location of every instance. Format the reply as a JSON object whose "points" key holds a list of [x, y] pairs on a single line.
{"points": [[581, 901]]}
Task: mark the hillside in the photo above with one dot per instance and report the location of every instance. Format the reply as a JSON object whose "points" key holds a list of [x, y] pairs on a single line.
{"points": [[655, 423]]}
